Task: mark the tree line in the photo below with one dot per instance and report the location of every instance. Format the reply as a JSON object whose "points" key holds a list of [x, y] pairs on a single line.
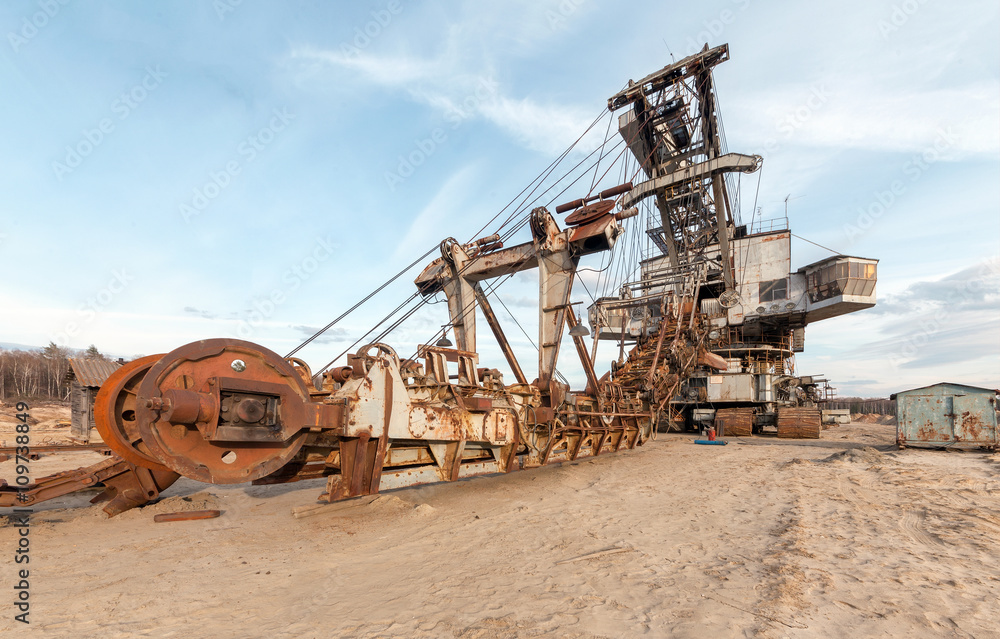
{"points": [[38, 374], [864, 405]]}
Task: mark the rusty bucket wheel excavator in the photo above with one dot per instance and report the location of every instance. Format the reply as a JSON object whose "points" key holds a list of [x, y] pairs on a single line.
{"points": [[225, 411]]}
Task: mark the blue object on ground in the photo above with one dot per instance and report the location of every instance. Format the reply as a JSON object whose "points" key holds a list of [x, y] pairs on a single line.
{"points": [[708, 442]]}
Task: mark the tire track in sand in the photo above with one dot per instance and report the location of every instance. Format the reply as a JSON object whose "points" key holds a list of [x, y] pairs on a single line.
{"points": [[912, 523]]}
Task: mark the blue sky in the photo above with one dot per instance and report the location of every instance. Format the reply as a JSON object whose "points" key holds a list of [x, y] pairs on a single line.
{"points": [[169, 170]]}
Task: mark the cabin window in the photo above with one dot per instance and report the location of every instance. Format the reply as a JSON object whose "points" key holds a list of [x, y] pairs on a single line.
{"points": [[773, 290]]}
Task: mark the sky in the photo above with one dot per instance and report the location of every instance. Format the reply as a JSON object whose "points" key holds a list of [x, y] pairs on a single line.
{"points": [[177, 171]]}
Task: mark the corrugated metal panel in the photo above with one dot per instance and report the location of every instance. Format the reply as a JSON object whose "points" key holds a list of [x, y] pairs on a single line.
{"points": [[712, 308], [798, 339], [947, 415], [734, 422], [965, 387], [81, 408], [731, 388], [92, 371], [799, 423]]}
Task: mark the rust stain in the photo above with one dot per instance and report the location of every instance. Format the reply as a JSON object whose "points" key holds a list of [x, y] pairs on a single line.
{"points": [[927, 433], [972, 427], [775, 238]]}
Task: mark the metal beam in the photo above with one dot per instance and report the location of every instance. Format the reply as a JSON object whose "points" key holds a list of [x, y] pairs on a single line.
{"points": [[461, 299], [581, 350], [503, 262], [722, 219], [659, 79], [556, 272], [722, 164], [491, 319]]}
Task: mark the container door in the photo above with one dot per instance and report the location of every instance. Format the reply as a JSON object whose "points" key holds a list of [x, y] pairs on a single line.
{"points": [[974, 420], [79, 413], [927, 419]]}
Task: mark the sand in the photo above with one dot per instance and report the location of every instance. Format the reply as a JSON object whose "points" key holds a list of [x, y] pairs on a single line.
{"points": [[841, 537], [49, 424]]}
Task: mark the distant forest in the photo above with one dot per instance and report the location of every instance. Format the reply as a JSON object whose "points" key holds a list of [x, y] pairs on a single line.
{"points": [[864, 405], [39, 374]]}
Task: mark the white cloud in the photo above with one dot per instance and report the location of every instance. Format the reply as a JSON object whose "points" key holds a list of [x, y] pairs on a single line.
{"points": [[857, 115], [460, 94], [385, 71], [550, 129], [935, 330], [458, 79], [439, 213]]}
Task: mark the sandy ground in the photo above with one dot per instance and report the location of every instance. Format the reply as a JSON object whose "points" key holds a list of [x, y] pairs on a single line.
{"points": [[841, 537], [43, 421]]}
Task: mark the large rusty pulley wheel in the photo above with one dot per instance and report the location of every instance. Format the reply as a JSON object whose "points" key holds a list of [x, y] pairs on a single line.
{"points": [[590, 212], [305, 373], [222, 411], [115, 413], [367, 359]]}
